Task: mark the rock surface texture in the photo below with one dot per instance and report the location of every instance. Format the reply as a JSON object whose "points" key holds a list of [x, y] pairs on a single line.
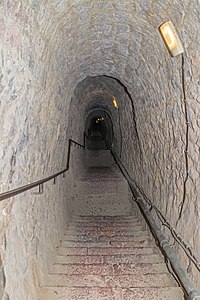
{"points": [[107, 253]]}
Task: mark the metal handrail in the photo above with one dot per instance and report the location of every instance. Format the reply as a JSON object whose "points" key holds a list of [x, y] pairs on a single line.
{"points": [[39, 183], [177, 236], [183, 278]]}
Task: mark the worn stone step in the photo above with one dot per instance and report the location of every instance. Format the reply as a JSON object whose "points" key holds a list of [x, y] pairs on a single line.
{"points": [[105, 251], [137, 237], [128, 227], [117, 244], [101, 193], [108, 269], [97, 204], [121, 251], [104, 173], [69, 293], [87, 218], [105, 231], [108, 174], [103, 186], [79, 259], [106, 196], [106, 223], [123, 281], [145, 258], [110, 219], [109, 259], [134, 244], [66, 244], [128, 236], [99, 178], [72, 251]]}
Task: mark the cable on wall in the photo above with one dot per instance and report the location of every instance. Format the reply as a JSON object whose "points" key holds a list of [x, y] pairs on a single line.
{"points": [[181, 206]]}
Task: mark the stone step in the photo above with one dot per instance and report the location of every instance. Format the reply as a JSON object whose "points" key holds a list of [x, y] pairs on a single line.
{"points": [[109, 259], [107, 269], [134, 222], [98, 158], [103, 230], [104, 218], [174, 293], [66, 244], [106, 251], [98, 196], [116, 244], [139, 236], [69, 293], [103, 207], [121, 251], [132, 258], [101, 186], [108, 174], [104, 226], [123, 281], [100, 178], [98, 204]]}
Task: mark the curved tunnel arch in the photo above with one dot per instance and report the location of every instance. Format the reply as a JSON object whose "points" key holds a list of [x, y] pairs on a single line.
{"points": [[98, 93]]}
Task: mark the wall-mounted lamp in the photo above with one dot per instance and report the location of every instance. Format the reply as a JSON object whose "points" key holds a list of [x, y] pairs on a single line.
{"points": [[115, 102], [171, 38]]}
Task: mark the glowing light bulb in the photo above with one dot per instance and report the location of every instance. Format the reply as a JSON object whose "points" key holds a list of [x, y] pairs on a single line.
{"points": [[169, 36], [115, 102]]}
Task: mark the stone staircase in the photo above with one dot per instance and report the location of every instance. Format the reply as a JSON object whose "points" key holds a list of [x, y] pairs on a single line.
{"points": [[99, 158], [108, 254]]}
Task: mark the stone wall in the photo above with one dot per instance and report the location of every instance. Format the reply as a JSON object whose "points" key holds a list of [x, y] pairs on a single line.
{"points": [[31, 226], [47, 50], [33, 122]]}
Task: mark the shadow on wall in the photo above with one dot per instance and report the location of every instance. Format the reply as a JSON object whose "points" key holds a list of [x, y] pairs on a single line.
{"points": [[3, 294]]}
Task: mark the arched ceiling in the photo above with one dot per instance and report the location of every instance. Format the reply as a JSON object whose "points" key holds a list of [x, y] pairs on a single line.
{"points": [[51, 46], [114, 38]]}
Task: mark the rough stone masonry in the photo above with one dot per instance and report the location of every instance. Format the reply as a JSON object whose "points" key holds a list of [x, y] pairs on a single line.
{"points": [[58, 61]]}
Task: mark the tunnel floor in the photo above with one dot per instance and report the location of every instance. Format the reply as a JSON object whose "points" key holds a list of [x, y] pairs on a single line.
{"points": [[107, 252]]}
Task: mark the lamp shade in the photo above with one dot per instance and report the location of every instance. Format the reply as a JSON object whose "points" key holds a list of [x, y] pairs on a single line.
{"points": [[171, 38]]}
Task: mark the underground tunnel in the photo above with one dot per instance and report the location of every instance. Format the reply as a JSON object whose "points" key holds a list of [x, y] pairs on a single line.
{"points": [[99, 121], [98, 129]]}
